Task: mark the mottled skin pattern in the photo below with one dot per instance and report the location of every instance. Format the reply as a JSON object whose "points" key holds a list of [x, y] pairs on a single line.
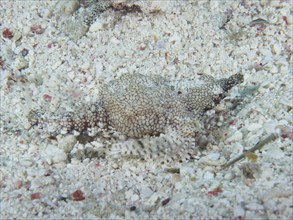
{"points": [[158, 117]]}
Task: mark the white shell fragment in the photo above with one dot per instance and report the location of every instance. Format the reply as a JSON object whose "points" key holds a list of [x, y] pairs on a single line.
{"points": [[96, 26], [55, 154], [67, 143], [274, 152], [20, 63], [41, 182], [152, 202], [213, 160], [253, 126]]}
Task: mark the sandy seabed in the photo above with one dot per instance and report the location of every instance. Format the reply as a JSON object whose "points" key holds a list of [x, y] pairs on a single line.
{"points": [[50, 61]]}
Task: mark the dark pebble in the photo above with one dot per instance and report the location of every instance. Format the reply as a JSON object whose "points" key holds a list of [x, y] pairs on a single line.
{"points": [[24, 52], [132, 208], [7, 33], [165, 201]]}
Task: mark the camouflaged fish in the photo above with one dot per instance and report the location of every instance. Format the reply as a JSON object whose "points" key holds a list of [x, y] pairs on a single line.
{"points": [[159, 118]]}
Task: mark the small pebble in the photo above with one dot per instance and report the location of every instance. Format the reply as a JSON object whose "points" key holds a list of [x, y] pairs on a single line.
{"points": [[36, 172], [275, 152], [239, 212], [96, 26], [114, 40], [7, 33], [78, 195], [214, 156], [37, 29], [20, 63], [41, 182], [67, 143], [24, 52], [151, 203], [25, 162], [254, 206], [250, 170], [71, 6], [134, 197], [35, 196], [277, 49], [208, 175], [176, 178], [236, 136], [86, 65], [18, 184], [56, 64], [132, 208], [165, 201], [55, 154], [47, 98]]}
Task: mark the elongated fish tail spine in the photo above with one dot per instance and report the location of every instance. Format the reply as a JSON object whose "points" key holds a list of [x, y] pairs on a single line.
{"points": [[87, 117]]}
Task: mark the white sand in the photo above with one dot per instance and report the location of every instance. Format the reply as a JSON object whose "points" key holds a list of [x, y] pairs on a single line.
{"points": [[183, 39]]}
